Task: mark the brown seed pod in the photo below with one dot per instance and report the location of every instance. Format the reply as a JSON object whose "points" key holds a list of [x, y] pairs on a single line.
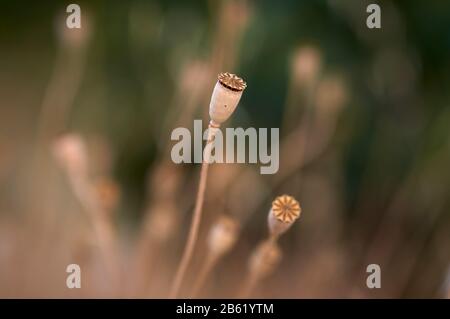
{"points": [[232, 82]]}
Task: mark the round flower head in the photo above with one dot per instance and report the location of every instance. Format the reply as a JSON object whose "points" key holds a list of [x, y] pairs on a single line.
{"points": [[223, 235], [225, 97], [285, 210]]}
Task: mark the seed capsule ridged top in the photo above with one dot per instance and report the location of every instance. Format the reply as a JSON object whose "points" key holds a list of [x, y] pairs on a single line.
{"points": [[286, 209], [232, 81]]}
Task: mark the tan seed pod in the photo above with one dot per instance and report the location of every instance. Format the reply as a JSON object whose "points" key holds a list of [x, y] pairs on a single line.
{"points": [[223, 235], [108, 193], [306, 64], [162, 222], [225, 97], [331, 95], [265, 259], [70, 152], [284, 211]]}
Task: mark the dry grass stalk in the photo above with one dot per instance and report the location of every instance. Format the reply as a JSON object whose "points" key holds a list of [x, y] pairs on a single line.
{"points": [[65, 80], [329, 99], [70, 151], [225, 98], [160, 216], [306, 65], [159, 225]]}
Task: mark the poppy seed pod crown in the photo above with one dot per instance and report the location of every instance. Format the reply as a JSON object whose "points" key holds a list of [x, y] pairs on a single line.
{"points": [[225, 97], [285, 210]]}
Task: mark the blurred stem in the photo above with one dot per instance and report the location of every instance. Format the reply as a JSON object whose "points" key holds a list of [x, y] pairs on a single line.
{"points": [[208, 265], [249, 286], [193, 232], [61, 91], [296, 99], [102, 225]]}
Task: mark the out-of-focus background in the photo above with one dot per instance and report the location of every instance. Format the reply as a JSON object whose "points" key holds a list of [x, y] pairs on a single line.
{"points": [[85, 170]]}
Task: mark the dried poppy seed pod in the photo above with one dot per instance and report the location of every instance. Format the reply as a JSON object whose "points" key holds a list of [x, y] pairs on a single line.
{"points": [[70, 151], [265, 259], [331, 95], [162, 222], [306, 64], [225, 97], [285, 210], [223, 235], [108, 193]]}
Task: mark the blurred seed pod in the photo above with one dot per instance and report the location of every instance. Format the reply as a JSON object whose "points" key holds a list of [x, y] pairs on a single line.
{"points": [[306, 64], [331, 95], [285, 210], [70, 152], [108, 193], [74, 38], [194, 77], [164, 180], [265, 259], [162, 221], [223, 235], [225, 97]]}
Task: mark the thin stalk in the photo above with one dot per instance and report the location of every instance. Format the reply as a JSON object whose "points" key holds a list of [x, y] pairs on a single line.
{"points": [[103, 228], [249, 286], [195, 224], [208, 265], [193, 232]]}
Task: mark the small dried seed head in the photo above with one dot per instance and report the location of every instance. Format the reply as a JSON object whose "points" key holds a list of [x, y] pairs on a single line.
{"points": [[331, 95], [285, 210], [306, 64], [74, 38], [162, 222], [232, 81], [223, 235], [225, 97], [70, 151], [108, 193], [164, 180], [194, 77], [265, 259]]}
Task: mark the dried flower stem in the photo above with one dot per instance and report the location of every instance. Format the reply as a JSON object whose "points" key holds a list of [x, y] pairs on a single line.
{"points": [[263, 261], [102, 225], [249, 286], [221, 239], [208, 265], [194, 228], [70, 152], [224, 100]]}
